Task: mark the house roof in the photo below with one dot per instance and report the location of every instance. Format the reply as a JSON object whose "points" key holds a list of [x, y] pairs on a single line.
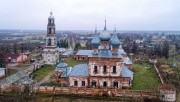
{"points": [[79, 70], [68, 52], [61, 49], [61, 66], [66, 72], [128, 61], [84, 52], [13, 56], [126, 72], [13, 78], [121, 51], [2, 68], [105, 54]]}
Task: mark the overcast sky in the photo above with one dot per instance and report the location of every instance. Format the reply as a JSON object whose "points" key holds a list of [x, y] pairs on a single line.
{"points": [[84, 14]]}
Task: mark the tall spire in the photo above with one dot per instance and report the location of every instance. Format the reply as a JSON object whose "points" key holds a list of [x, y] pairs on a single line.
{"points": [[51, 13], [114, 28], [105, 24], [95, 29]]}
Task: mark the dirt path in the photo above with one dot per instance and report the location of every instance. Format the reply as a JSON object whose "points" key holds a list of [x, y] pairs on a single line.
{"points": [[46, 78]]}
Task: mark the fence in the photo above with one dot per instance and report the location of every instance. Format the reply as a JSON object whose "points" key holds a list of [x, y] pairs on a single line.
{"points": [[95, 91]]}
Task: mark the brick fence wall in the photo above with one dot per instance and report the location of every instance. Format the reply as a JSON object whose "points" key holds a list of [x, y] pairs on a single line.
{"points": [[95, 91]]}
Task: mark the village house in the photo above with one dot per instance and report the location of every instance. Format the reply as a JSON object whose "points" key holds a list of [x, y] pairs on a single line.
{"points": [[83, 54], [16, 58], [2, 72], [108, 65]]}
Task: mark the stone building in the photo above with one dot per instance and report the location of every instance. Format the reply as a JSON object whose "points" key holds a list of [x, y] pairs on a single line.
{"points": [[51, 54], [108, 65]]}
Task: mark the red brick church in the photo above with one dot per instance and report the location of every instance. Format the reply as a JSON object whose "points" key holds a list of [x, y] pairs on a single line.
{"points": [[108, 65]]}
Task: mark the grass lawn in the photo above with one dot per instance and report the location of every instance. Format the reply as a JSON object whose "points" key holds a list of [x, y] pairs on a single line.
{"points": [[44, 71], [47, 69], [72, 61], [23, 65], [145, 78]]}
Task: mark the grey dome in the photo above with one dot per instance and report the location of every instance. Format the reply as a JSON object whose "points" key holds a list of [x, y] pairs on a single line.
{"points": [[115, 41], [95, 42], [105, 36], [61, 65]]}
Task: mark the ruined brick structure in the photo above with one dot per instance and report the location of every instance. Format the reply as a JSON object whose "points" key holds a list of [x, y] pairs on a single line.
{"points": [[108, 65]]}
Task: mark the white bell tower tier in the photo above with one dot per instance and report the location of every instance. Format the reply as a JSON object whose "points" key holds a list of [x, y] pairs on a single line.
{"points": [[51, 54]]}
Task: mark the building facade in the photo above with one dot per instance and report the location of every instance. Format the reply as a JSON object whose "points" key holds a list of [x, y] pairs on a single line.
{"points": [[2, 72], [108, 65], [51, 54], [16, 58]]}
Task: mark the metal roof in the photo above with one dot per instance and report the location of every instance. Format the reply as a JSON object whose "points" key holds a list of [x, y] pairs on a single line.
{"points": [[115, 41], [121, 51], [13, 78], [128, 61], [2, 68], [126, 72], [105, 36], [61, 49], [105, 54], [84, 52], [61, 66], [95, 42], [79, 70]]}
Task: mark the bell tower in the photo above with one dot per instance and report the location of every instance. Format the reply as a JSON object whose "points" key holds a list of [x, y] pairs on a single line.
{"points": [[51, 54]]}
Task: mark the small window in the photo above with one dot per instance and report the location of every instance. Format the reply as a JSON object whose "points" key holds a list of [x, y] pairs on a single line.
{"points": [[50, 30], [95, 69], [104, 83], [115, 84], [83, 83], [75, 83], [129, 82], [94, 83], [104, 69], [114, 69], [49, 42]]}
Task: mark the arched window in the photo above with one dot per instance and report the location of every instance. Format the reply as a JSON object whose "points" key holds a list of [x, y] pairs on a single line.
{"points": [[49, 42], [129, 81], [83, 83], [104, 69], [115, 84], [95, 69], [75, 83], [94, 83], [50, 30], [114, 69], [105, 84]]}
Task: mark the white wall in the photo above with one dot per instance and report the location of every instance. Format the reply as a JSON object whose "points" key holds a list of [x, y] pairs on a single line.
{"points": [[2, 73]]}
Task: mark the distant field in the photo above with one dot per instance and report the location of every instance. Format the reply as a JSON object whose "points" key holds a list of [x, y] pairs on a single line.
{"points": [[145, 77]]}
